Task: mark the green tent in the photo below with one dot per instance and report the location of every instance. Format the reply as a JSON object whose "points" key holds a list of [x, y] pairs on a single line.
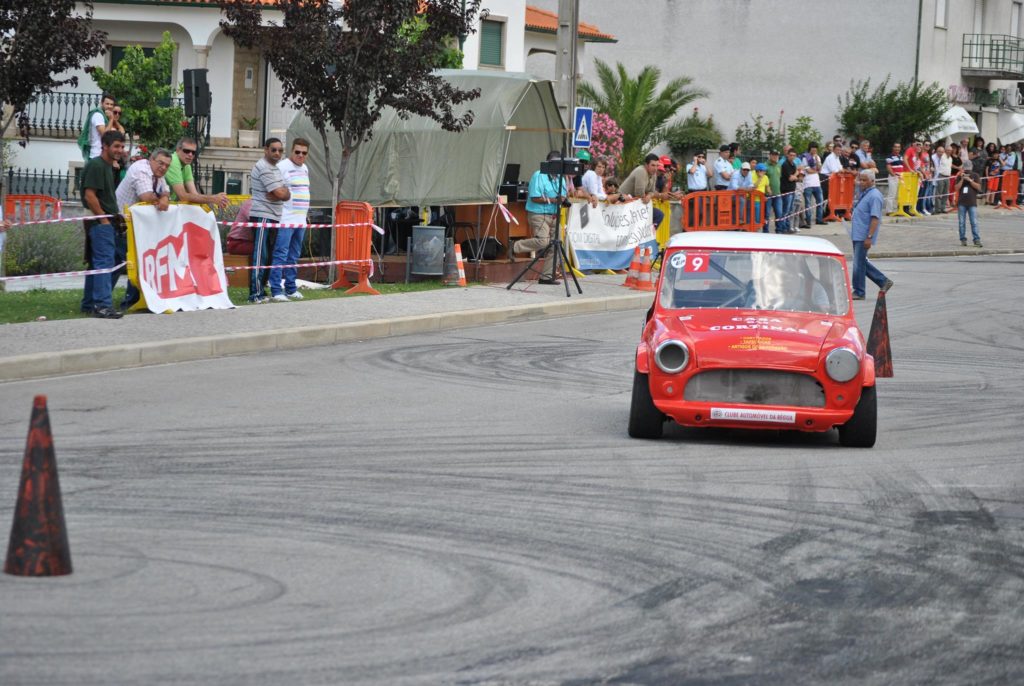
{"points": [[414, 162]]}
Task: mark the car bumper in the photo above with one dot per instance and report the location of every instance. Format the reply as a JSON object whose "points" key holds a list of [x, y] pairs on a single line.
{"points": [[778, 417]]}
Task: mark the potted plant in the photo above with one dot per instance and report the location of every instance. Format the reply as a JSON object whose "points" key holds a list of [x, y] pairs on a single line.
{"points": [[248, 136]]}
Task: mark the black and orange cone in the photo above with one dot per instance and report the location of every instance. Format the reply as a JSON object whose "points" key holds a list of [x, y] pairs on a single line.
{"points": [[878, 339], [39, 539]]}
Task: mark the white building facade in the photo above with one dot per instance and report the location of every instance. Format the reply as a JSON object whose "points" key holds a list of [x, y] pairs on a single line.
{"points": [[761, 57]]}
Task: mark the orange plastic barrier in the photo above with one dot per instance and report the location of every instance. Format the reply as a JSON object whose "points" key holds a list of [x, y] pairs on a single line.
{"points": [[840, 194], [1010, 185], [723, 211], [27, 208], [353, 243]]}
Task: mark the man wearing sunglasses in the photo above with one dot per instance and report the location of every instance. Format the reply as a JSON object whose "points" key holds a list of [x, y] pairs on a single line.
{"points": [[179, 177], [288, 246], [269, 193]]}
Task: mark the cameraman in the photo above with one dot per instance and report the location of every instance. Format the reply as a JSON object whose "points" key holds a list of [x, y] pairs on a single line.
{"points": [[546, 195]]}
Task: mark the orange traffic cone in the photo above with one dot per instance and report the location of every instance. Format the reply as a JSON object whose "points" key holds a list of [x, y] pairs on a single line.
{"points": [[878, 339], [39, 539], [634, 270], [462, 267], [644, 282]]}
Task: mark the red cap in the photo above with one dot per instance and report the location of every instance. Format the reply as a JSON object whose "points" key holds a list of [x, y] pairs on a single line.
{"points": [[666, 160]]}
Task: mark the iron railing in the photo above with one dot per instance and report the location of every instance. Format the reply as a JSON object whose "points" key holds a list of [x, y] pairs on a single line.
{"points": [[62, 185], [994, 55], [65, 185], [62, 114]]}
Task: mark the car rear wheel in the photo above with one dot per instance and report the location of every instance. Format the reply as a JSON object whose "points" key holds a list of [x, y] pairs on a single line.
{"points": [[645, 420], [860, 431]]}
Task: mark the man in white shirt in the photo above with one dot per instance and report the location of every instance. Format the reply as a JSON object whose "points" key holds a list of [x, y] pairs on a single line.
{"points": [[593, 181], [943, 165], [830, 166], [144, 182], [288, 246], [812, 185], [99, 121]]}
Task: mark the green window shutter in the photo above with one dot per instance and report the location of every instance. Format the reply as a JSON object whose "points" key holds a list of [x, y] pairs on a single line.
{"points": [[490, 43]]}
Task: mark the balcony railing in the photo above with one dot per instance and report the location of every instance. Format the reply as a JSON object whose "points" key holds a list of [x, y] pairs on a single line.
{"points": [[61, 115], [992, 56]]}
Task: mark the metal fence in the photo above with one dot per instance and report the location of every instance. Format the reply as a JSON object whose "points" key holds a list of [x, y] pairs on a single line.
{"points": [[62, 115], [991, 53], [64, 185]]}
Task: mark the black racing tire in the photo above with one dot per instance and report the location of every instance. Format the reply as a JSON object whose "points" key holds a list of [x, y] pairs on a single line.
{"points": [[860, 431], [645, 420]]}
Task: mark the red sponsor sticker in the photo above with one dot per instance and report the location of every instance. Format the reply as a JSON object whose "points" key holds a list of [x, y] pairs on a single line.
{"points": [[696, 262]]}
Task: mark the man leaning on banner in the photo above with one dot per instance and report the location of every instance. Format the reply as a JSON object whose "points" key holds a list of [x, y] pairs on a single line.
{"points": [[143, 182]]}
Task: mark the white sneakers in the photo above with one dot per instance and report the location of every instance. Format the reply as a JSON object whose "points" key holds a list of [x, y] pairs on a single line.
{"points": [[280, 298], [294, 296], [285, 297]]}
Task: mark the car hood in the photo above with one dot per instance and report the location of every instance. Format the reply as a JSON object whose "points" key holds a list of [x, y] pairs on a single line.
{"points": [[740, 338]]}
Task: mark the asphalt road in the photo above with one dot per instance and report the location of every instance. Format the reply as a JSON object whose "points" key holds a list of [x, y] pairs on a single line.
{"points": [[466, 508]]}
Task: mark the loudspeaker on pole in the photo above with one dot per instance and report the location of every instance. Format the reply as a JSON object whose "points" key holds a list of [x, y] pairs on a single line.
{"points": [[878, 339], [39, 539]]}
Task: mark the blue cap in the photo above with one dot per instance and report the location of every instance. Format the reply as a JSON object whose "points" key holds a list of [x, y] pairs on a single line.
{"points": [[761, 166]]}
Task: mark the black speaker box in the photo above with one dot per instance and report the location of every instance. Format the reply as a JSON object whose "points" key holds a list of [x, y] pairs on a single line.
{"points": [[197, 93]]}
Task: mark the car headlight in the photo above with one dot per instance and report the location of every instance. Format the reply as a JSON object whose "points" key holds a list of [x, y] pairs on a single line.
{"points": [[842, 364], [672, 356]]}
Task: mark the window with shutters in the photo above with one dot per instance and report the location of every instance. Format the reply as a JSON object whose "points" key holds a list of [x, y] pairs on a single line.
{"points": [[492, 43]]}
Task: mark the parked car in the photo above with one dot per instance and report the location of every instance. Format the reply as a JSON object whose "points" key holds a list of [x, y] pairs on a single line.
{"points": [[753, 331]]}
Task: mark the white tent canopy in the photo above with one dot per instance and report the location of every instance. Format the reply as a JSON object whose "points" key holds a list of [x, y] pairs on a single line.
{"points": [[414, 162], [956, 122], [1011, 126]]}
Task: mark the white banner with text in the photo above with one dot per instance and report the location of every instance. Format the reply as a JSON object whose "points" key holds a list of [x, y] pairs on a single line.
{"points": [[175, 258], [604, 237]]}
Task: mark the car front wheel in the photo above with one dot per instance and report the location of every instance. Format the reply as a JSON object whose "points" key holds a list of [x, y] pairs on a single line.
{"points": [[860, 431], [645, 420]]}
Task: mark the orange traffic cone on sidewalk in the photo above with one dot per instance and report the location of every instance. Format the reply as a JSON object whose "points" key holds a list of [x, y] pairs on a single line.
{"points": [[645, 281], [39, 539], [634, 270], [878, 339]]}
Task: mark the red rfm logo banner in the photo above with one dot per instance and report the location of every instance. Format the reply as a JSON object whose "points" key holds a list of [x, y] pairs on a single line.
{"points": [[182, 265]]}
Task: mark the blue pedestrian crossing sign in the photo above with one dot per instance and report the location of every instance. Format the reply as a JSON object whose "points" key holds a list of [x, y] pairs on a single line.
{"points": [[583, 121]]}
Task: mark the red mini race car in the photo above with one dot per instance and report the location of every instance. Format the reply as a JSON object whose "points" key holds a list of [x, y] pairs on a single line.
{"points": [[753, 331]]}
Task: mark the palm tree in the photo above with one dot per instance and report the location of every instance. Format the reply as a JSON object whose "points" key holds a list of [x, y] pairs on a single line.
{"points": [[637, 106]]}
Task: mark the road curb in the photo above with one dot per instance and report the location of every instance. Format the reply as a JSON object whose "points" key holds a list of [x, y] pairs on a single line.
{"points": [[963, 252], [109, 358]]}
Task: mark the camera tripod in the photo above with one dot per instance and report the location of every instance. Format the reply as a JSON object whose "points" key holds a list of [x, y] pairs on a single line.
{"points": [[558, 260]]}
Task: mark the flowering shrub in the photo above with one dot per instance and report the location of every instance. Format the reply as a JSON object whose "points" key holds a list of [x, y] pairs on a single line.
{"points": [[606, 141]]}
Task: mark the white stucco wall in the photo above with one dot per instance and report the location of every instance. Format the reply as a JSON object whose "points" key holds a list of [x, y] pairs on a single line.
{"points": [[759, 56], [513, 13]]}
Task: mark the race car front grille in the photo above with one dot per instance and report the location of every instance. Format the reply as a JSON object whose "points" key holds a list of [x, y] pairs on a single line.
{"points": [[755, 387]]}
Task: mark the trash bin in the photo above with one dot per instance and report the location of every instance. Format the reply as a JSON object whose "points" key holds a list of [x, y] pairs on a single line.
{"points": [[426, 252], [234, 187]]}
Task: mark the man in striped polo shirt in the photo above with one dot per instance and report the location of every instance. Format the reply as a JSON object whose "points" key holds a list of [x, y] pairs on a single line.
{"points": [[269, 193], [288, 246]]}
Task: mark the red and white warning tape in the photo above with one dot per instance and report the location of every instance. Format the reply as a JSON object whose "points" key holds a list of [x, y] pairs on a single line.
{"points": [[253, 225], [57, 220], [302, 264], [87, 272]]}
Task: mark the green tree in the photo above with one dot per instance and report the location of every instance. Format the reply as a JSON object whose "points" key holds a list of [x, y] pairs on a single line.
{"points": [[693, 134], [343, 63], [802, 133], [637, 105], [891, 115], [760, 136], [142, 88]]}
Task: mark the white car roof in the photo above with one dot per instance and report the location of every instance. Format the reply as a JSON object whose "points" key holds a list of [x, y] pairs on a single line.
{"points": [[745, 240]]}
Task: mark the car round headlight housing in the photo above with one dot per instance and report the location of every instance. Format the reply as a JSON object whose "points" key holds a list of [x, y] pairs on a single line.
{"points": [[842, 364], [672, 356]]}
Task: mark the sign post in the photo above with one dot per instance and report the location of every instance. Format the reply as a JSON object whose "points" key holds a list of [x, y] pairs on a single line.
{"points": [[582, 126]]}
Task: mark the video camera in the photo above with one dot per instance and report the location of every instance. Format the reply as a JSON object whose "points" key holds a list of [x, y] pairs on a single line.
{"points": [[566, 166]]}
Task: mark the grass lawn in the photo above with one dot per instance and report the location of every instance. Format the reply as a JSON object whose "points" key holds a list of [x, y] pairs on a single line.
{"points": [[29, 306]]}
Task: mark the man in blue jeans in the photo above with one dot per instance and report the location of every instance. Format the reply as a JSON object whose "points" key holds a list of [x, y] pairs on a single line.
{"points": [[98, 195], [867, 220], [968, 183]]}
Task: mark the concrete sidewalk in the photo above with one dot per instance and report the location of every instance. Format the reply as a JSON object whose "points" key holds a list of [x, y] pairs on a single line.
{"points": [[38, 349]]}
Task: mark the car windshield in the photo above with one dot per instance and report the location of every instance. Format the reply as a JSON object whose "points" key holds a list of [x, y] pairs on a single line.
{"points": [[759, 280]]}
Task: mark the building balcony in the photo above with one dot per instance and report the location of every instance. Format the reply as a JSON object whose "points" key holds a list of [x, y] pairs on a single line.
{"points": [[61, 114], [992, 56]]}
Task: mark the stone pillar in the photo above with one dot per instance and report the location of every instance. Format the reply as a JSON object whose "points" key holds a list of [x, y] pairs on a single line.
{"points": [[202, 54]]}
